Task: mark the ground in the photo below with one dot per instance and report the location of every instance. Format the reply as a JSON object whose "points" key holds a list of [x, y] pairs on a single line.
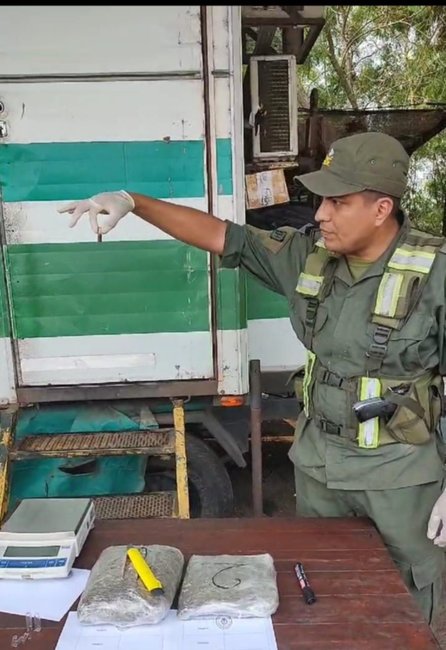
{"points": [[279, 501], [278, 484]]}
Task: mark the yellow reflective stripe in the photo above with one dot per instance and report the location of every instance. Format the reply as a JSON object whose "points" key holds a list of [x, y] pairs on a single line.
{"points": [[309, 366], [406, 259], [368, 431], [320, 242], [388, 294], [309, 285]]}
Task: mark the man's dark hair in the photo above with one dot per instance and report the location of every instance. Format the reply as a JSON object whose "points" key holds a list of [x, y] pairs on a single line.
{"points": [[372, 195]]}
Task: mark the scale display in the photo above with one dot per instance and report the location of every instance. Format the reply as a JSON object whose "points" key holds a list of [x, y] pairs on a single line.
{"points": [[38, 551]]}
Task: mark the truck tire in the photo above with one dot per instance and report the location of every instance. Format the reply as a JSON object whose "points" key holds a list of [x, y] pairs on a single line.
{"points": [[210, 488]]}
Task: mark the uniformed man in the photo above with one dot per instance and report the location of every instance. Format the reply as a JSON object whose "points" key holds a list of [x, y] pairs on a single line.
{"points": [[366, 296]]}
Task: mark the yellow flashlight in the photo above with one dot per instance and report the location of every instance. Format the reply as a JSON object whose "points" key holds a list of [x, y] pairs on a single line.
{"points": [[145, 573]]}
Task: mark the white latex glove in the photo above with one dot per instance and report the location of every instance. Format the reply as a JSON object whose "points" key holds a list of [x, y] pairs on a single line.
{"points": [[113, 205], [436, 528]]}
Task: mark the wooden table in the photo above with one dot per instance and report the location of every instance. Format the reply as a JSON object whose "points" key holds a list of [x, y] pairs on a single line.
{"points": [[362, 602]]}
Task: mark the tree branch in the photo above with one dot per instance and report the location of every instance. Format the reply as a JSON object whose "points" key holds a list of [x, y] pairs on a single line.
{"points": [[343, 79], [303, 99]]}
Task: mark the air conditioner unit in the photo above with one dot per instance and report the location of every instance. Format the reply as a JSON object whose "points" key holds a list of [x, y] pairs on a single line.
{"points": [[274, 106]]}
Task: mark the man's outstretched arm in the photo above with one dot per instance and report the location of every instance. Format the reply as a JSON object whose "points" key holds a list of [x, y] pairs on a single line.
{"points": [[186, 224], [275, 258]]}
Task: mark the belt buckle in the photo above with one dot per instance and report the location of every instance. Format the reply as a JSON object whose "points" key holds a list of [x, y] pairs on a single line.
{"points": [[331, 428], [332, 379], [377, 350]]}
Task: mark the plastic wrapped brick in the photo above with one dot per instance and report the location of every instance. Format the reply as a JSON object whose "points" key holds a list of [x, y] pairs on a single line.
{"points": [[115, 595], [229, 585]]}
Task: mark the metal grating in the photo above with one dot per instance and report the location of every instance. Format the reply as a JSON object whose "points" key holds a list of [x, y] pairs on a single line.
{"points": [[139, 506], [274, 98], [81, 444]]}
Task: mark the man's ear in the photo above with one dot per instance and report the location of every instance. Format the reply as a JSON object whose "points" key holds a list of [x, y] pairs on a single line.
{"points": [[384, 208]]}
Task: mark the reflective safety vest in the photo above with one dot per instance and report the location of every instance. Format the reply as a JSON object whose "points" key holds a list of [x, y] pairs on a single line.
{"points": [[398, 294]]}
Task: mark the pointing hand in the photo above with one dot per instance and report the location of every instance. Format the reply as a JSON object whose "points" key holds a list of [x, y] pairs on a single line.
{"points": [[113, 205]]}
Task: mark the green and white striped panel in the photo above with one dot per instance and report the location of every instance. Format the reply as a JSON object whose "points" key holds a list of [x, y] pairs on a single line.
{"points": [[271, 337], [7, 393], [137, 306]]}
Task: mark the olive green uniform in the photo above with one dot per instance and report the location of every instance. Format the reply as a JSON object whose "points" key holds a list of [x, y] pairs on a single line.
{"points": [[395, 484]]}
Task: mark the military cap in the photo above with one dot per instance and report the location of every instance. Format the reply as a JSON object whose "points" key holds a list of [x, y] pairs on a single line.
{"points": [[364, 161]]}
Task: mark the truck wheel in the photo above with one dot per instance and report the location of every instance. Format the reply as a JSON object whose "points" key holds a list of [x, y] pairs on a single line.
{"points": [[210, 488]]}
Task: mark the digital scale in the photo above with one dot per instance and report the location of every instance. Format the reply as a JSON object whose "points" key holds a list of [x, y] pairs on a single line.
{"points": [[43, 537]]}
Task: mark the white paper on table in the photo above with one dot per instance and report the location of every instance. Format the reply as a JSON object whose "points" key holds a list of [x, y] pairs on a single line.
{"points": [[50, 599], [216, 633]]}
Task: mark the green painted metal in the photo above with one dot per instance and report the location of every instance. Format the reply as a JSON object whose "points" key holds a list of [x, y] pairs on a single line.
{"points": [[224, 165], [231, 300], [127, 287], [109, 288], [4, 321], [263, 303], [55, 171]]}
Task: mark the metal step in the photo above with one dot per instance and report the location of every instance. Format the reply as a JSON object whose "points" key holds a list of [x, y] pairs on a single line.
{"points": [[69, 445], [136, 506]]}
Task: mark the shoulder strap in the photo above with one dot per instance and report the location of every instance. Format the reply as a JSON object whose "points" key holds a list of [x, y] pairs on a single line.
{"points": [[400, 289], [314, 284], [312, 280]]}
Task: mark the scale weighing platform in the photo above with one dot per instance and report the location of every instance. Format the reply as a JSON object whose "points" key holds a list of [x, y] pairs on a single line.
{"points": [[43, 537]]}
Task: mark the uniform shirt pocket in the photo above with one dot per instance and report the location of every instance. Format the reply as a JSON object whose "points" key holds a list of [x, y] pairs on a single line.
{"points": [[414, 347], [298, 314]]}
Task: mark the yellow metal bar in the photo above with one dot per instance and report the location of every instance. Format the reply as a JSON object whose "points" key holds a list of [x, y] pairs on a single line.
{"points": [[6, 435], [181, 459]]}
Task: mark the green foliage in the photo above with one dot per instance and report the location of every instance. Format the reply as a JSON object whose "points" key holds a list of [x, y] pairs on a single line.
{"points": [[425, 199], [388, 56], [372, 57]]}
